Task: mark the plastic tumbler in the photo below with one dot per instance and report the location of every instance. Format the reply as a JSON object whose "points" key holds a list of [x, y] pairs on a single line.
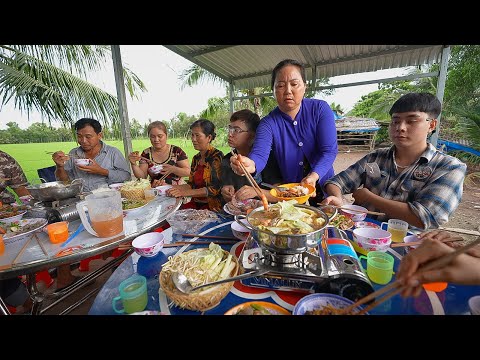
{"points": [[58, 232], [435, 286], [379, 266], [133, 293], [398, 229]]}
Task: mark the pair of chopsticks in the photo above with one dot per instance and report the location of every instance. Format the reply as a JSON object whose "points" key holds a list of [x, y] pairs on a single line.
{"points": [[396, 287], [164, 176], [358, 211], [252, 182], [210, 237], [415, 243], [183, 243]]}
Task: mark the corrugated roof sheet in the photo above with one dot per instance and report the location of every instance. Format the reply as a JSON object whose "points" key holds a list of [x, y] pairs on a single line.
{"points": [[249, 66]]}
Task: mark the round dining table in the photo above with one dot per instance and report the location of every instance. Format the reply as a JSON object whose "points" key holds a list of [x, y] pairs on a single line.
{"points": [[452, 301], [33, 252]]}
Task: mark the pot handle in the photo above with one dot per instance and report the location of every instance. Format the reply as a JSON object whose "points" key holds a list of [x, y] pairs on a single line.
{"points": [[81, 207], [241, 217]]}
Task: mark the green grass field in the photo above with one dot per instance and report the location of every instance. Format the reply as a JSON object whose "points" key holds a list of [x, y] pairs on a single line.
{"points": [[34, 156]]}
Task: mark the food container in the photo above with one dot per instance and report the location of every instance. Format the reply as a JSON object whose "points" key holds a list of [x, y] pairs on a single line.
{"points": [[148, 245], [56, 190], [190, 220], [354, 215], [285, 244]]}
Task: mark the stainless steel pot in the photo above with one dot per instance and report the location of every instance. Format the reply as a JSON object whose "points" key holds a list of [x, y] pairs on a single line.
{"points": [[285, 244], [56, 190]]}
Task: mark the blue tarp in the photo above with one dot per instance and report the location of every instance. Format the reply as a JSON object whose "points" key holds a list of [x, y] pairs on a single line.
{"points": [[450, 146]]}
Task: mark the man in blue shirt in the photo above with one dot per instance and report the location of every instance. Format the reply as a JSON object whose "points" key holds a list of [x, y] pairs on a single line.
{"points": [[300, 132], [411, 180]]}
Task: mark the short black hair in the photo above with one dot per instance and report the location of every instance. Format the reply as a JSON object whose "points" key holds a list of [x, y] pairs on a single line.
{"points": [[208, 127], [287, 62], [95, 124], [423, 102], [250, 119]]}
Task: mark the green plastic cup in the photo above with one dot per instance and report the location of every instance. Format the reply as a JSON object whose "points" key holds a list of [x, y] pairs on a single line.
{"points": [[379, 267]]}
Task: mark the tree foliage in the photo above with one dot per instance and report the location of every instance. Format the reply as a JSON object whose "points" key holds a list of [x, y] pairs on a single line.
{"points": [[52, 79]]}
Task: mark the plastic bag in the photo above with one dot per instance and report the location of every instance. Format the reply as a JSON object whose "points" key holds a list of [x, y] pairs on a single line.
{"points": [[191, 220]]}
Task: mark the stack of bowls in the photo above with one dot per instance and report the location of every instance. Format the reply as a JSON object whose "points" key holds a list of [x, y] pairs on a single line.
{"points": [[371, 239]]}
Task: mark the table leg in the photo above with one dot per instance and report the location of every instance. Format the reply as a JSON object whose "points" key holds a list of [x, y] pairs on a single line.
{"points": [[37, 296]]}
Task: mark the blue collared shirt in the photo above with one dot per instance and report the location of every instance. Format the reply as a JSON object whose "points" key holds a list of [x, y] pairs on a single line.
{"points": [[109, 158], [432, 187], [310, 137]]}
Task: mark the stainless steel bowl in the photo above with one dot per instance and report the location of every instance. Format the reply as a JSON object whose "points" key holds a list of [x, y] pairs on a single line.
{"points": [[285, 244], [56, 190]]}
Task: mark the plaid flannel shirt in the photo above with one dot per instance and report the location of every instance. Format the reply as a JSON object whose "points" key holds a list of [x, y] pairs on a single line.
{"points": [[432, 186]]}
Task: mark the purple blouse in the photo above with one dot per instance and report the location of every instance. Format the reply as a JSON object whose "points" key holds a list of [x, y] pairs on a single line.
{"points": [[309, 141]]}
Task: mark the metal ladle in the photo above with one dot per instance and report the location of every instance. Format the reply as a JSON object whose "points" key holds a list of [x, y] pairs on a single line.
{"points": [[181, 282]]}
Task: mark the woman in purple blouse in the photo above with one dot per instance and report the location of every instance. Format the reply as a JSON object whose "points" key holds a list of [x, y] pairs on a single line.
{"points": [[301, 132]]}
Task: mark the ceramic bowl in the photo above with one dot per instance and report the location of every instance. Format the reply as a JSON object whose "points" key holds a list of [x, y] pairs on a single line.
{"points": [[81, 162], [239, 231], [162, 190], [371, 239], [155, 169], [148, 244], [474, 305], [11, 219], [116, 186], [364, 224], [318, 301], [354, 215]]}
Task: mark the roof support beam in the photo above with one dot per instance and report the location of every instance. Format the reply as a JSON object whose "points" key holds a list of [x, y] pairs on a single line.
{"points": [[442, 78], [210, 50], [398, 78]]}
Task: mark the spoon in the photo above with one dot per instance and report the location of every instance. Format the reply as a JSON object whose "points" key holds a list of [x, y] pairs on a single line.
{"points": [[181, 282], [278, 188]]}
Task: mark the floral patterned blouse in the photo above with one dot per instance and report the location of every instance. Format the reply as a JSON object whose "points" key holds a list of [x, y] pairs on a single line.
{"points": [[176, 154], [211, 176]]}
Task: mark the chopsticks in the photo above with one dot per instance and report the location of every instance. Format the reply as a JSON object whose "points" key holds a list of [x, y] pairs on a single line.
{"points": [[252, 182], [397, 287], [164, 176], [183, 243], [358, 211], [415, 243], [211, 237]]}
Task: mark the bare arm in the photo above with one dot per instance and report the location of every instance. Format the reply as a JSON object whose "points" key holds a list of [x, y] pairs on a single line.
{"points": [[60, 158], [392, 208]]}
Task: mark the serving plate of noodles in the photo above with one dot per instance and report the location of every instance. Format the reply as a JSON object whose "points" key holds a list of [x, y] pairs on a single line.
{"points": [[322, 304]]}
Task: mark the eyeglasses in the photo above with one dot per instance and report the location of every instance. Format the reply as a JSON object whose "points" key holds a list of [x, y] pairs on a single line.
{"points": [[235, 130], [408, 122]]}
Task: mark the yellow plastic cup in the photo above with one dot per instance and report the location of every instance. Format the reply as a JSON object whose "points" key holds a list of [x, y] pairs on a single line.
{"points": [[379, 267]]}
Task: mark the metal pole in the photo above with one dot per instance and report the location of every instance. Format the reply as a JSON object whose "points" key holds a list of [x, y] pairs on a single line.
{"points": [[231, 97], [442, 78], [122, 100]]}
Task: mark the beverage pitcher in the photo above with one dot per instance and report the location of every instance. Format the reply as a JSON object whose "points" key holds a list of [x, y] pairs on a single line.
{"points": [[104, 213]]}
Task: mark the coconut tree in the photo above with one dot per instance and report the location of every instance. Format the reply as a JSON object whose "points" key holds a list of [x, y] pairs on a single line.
{"points": [[52, 79]]}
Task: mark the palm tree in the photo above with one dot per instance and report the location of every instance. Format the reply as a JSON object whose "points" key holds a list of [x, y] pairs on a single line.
{"points": [[52, 79]]}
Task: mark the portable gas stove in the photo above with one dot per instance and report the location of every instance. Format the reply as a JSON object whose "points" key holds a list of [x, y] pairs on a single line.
{"points": [[54, 211], [329, 267]]}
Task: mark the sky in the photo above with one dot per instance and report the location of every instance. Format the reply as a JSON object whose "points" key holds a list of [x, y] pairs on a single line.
{"points": [[159, 69]]}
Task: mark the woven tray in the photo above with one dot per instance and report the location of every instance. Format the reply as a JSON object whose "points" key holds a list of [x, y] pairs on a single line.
{"points": [[197, 301], [134, 194]]}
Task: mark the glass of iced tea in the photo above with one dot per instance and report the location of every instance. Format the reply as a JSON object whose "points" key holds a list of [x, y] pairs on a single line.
{"points": [[398, 229]]}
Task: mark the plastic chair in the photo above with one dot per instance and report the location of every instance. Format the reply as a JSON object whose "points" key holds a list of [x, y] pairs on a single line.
{"points": [[47, 173]]}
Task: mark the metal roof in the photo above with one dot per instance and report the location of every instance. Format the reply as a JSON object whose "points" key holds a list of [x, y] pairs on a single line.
{"points": [[249, 66]]}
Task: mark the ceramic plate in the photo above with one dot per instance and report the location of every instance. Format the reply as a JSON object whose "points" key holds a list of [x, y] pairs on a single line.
{"points": [[273, 309], [132, 209], [318, 301], [25, 226], [225, 208]]}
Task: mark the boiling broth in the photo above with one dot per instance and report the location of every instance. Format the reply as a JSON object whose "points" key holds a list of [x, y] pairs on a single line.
{"points": [[272, 218]]}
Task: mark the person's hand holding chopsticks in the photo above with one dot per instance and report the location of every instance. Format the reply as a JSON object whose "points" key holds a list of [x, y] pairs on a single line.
{"points": [[464, 269], [247, 163]]}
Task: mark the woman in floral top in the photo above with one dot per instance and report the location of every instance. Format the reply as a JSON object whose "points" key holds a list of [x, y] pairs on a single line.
{"points": [[204, 183], [173, 159]]}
